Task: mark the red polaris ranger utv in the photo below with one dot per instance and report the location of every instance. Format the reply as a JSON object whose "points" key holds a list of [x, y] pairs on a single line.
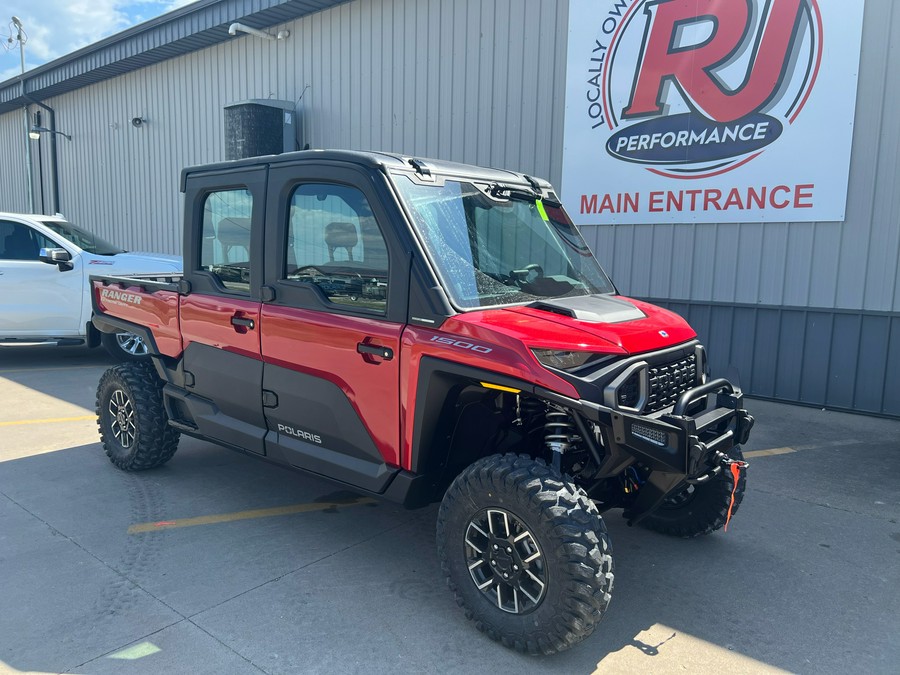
{"points": [[428, 331]]}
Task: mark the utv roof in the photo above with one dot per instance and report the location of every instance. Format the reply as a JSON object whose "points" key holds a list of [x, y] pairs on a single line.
{"points": [[372, 160]]}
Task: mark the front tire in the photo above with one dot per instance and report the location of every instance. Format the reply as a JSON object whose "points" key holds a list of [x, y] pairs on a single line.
{"points": [[134, 428], [526, 553], [699, 509]]}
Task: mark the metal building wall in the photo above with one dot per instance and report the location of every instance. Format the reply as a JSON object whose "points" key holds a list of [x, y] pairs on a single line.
{"points": [[13, 180], [807, 311], [477, 81]]}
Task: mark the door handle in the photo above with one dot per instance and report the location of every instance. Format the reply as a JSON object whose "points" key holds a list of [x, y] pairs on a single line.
{"points": [[375, 350], [243, 322]]}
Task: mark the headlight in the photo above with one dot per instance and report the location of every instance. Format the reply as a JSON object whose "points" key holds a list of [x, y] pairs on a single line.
{"points": [[563, 360]]}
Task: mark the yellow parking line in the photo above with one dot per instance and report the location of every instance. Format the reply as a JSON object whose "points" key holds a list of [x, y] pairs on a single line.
{"points": [[768, 453], [52, 420], [245, 515]]}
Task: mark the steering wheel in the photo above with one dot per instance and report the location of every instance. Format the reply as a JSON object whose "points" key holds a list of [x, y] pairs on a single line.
{"points": [[528, 274]]}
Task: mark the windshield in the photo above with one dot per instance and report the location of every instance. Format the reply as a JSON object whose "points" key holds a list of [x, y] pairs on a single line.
{"points": [[492, 252], [83, 239]]}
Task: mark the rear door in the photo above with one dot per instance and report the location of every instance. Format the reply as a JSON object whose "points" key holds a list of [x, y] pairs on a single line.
{"points": [[220, 315], [38, 300], [337, 277]]}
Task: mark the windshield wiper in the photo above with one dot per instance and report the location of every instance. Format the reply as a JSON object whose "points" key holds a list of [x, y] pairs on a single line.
{"points": [[501, 191], [520, 194]]}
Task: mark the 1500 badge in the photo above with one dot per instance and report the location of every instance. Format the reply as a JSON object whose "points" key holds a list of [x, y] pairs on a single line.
{"points": [[461, 344]]}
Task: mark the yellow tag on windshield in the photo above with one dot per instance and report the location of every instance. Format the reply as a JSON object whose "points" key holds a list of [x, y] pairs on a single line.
{"points": [[540, 208]]}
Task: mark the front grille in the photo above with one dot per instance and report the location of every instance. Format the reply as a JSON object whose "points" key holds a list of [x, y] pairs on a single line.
{"points": [[667, 382], [670, 380]]}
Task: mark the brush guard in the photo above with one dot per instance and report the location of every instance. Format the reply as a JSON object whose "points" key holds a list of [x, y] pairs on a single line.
{"points": [[678, 448]]}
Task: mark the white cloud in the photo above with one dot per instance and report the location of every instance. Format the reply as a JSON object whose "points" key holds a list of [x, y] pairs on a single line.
{"points": [[58, 27]]}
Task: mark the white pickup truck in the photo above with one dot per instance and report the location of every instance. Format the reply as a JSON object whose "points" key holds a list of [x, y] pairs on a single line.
{"points": [[45, 265]]}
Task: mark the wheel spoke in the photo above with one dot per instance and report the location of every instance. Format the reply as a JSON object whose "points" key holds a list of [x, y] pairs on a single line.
{"points": [[475, 526], [474, 547], [528, 595]]}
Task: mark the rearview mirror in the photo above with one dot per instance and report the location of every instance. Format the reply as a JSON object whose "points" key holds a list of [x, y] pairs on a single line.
{"points": [[56, 256]]}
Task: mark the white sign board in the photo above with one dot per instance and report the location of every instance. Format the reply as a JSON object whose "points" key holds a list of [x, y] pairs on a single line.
{"points": [[709, 111]]}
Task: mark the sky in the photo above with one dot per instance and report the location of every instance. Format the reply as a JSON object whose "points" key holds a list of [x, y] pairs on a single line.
{"points": [[57, 27]]}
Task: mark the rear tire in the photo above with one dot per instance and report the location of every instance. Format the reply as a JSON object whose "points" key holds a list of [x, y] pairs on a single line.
{"points": [[699, 509], [134, 428], [124, 347], [526, 553]]}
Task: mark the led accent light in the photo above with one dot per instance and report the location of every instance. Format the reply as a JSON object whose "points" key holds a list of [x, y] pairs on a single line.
{"points": [[650, 435]]}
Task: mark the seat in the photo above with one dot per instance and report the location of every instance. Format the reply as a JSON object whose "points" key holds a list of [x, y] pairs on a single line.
{"points": [[19, 245], [232, 233], [340, 235]]}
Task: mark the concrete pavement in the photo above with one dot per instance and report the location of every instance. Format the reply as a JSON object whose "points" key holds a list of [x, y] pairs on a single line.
{"points": [[267, 571]]}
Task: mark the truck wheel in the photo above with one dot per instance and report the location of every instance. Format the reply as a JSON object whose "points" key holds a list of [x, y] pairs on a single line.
{"points": [[124, 347], [699, 509], [526, 553], [133, 425]]}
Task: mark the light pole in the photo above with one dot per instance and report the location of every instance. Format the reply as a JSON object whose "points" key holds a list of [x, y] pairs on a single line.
{"points": [[22, 37]]}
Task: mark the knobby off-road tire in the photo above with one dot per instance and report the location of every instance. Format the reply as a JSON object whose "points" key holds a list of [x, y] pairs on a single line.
{"points": [[520, 517], [133, 425], [699, 509]]}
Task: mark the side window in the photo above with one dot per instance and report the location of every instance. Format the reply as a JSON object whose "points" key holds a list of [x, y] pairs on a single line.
{"points": [[225, 248], [334, 242], [20, 242]]}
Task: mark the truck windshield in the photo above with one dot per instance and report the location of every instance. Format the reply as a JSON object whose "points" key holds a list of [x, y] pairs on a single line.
{"points": [[494, 251], [83, 239]]}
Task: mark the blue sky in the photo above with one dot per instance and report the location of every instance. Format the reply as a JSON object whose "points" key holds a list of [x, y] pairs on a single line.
{"points": [[55, 27]]}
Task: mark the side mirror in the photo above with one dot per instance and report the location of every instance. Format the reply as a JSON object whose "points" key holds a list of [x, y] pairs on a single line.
{"points": [[56, 256]]}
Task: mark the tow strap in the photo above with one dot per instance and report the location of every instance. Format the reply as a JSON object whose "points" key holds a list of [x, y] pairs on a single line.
{"points": [[736, 468]]}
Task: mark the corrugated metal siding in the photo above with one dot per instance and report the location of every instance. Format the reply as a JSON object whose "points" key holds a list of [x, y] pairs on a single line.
{"points": [[807, 311], [13, 181], [473, 81]]}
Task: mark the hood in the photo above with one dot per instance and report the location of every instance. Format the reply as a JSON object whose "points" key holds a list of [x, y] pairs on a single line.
{"points": [[133, 263], [612, 324]]}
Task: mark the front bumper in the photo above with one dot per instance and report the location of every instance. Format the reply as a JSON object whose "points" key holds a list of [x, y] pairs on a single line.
{"points": [[678, 447]]}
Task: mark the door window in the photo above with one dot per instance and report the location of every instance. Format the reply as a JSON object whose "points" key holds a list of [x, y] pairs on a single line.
{"points": [[20, 242], [334, 242], [225, 248]]}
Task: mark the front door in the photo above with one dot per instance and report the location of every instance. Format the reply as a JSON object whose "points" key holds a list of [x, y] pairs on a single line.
{"points": [[220, 316], [38, 300], [331, 335]]}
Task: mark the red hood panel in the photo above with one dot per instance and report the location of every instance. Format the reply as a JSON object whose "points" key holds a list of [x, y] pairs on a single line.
{"points": [[539, 328]]}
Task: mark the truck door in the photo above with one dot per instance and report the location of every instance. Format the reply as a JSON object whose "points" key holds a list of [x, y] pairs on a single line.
{"points": [[38, 300], [220, 313], [337, 280]]}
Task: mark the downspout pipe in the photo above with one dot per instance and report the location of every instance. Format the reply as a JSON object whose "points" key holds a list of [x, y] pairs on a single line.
{"points": [[54, 174]]}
